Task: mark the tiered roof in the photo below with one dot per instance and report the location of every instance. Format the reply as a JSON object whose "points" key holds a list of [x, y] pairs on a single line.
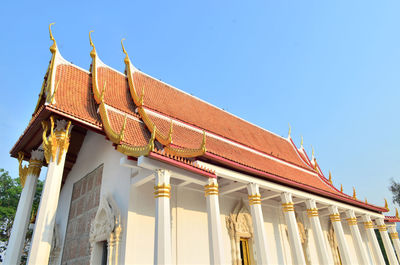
{"points": [[143, 116]]}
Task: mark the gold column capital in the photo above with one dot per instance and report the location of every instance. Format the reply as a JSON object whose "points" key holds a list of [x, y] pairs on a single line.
{"points": [[382, 228], [394, 235], [34, 167], [211, 189], [335, 217], [288, 207], [368, 225], [254, 199], [312, 212], [163, 190], [352, 221]]}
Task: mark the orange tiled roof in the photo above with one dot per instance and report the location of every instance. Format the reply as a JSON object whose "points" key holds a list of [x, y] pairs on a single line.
{"points": [[227, 136]]}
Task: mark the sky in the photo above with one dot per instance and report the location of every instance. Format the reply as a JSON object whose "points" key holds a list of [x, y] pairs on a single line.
{"points": [[330, 69]]}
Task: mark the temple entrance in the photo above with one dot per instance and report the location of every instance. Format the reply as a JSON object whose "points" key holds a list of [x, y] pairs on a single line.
{"points": [[244, 251]]}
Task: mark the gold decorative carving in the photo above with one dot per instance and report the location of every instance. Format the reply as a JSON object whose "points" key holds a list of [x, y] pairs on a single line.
{"points": [[163, 190], [330, 177], [352, 221], [23, 170], [386, 205], [394, 235], [341, 188], [211, 189], [34, 167], [382, 228], [397, 214], [93, 54], [312, 212], [187, 152], [137, 151], [116, 138], [254, 199], [288, 207], [57, 140], [335, 217], [368, 225], [354, 194]]}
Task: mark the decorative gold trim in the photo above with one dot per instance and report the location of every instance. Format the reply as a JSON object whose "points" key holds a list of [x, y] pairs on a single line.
{"points": [[386, 205], [397, 214], [136, 151], [186, 152], [368, 225], [116, 138], [254, 199], [288, 207], [354, 194], [163, 190], [57, 139], [330, 177], [335, 217], [382, 228], [352, 221], [341, 188], [394, 235], [93, 54], [211, 189], [23, 170], [312, 212], [164, 140]]}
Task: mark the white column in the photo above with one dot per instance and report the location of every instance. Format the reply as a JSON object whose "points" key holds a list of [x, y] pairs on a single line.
{"points": [[162, 241], [386, 242], [216, 244], [293, 229], [355, 233], [55, 149], [23, 214], [320, 240], [338, 229], [369, 229], [260, 238], [395, 238]]}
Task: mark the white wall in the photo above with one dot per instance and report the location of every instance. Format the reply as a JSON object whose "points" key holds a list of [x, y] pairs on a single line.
{"points": [[96, 150]]}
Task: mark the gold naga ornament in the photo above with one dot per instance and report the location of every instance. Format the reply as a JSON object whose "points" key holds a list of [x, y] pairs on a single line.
{"points": [[136, 151], [386, 205], [34, 167], [58, 139]]}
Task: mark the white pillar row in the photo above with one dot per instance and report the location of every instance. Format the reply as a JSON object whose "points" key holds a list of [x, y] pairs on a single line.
{"points": [[162, 240], [216, 244], [395, 238], [338, 229], [257, 217], [386, 242], [28, 177], [320, 241], [293, 229], [55, 149], [376, 250], [355, 233]]}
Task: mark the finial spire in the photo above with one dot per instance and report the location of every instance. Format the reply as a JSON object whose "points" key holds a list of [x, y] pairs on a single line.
{"points": [[123, 48], [330, 177], [312, 152], [53, 47], [386, 205], [90, 38], [301, 143], [397, 214], [354, 193], [341, 188], [366, 201], [290, 131]]}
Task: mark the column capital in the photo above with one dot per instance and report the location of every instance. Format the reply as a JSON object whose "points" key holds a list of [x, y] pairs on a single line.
{"points": [[253, 188], [162, 187], [334, 213], [162, 176], [287, 197], [351, 217], [211, 188], [311, 204], [381, 224]]}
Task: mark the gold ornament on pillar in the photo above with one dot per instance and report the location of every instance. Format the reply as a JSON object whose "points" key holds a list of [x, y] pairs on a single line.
{"points": [[58, 139], [23, 170]]}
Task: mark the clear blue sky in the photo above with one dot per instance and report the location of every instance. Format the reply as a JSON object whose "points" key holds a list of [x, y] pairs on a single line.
{"points": [[329, 68]]}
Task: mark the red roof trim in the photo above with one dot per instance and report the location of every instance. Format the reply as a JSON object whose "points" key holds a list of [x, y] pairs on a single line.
{"points": [[288, 182]]}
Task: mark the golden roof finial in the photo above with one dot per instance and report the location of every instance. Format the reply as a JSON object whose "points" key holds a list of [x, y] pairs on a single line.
{"points": [[341, 188], [354, 193], [301, 143], [330, 177], [397, 214], [123, 48], [290, 131], [366, 201], [93, 52], [54, 46], [386, 205], [312, 152]]}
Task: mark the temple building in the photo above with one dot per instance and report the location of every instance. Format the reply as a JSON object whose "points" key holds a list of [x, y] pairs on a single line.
{"points": [[140, 172]]}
